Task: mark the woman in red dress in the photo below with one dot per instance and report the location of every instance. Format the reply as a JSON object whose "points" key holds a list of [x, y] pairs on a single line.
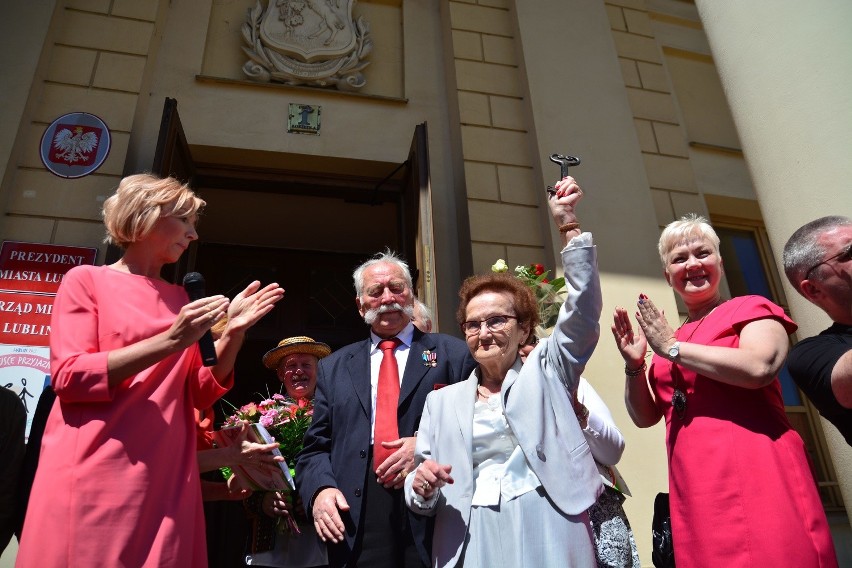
{"points": [[117, 480], [741, 489]]}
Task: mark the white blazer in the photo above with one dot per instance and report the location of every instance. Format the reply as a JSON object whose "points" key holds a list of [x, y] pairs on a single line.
{"points": [[537, 402]]}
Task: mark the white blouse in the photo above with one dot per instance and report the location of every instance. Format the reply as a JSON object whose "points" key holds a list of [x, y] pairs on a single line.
{"points": [[500, 468]]}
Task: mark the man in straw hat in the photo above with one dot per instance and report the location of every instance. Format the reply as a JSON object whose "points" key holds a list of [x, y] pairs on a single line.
{"points": [[353, 466], [295, 362]]}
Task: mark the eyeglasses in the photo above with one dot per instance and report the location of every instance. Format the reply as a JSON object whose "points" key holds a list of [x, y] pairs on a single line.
{"points": [[494, 323], [843, 256]]}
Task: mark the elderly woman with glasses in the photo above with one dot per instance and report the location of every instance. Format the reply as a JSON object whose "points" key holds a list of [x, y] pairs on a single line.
{"points": [[503, 464]]}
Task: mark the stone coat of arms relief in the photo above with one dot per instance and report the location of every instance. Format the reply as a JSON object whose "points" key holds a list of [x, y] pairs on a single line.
{"points": [[307, 42]]}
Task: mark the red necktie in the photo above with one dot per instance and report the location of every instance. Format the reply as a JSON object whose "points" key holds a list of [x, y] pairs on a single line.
{"points": [[387, 401]]}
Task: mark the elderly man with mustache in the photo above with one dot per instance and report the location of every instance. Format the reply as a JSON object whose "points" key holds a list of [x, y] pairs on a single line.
{"points": [[367, 407]]}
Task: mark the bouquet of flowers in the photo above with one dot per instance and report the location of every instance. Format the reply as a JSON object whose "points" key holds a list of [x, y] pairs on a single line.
{"points": [[283, 417], [550, 294], [286, 420]]}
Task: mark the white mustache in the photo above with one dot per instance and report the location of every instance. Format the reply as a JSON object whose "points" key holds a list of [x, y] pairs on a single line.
{"points": [[373, 314]]}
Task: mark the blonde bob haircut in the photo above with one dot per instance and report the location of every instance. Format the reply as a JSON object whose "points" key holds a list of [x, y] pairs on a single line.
{"points": [[691, 227], [140, 200]]}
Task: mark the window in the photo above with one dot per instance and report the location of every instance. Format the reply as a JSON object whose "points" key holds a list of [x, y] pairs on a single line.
{"points": [[749, 270]]}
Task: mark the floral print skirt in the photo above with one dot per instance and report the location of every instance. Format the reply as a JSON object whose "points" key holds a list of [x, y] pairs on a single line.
{"points": [[614, 543]]}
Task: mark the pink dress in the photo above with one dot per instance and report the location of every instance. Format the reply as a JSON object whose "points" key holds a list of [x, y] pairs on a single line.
{"points": [[117, 482], [742, 491]]}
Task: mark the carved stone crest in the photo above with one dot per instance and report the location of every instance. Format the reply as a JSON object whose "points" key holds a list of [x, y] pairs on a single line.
{"points": [[307, 42]]}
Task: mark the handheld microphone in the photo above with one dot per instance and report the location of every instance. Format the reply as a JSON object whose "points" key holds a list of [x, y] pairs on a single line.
{"points": [[193, 283]]}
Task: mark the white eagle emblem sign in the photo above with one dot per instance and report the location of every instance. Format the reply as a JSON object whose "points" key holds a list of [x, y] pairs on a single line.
{"points": [[75, 145]]}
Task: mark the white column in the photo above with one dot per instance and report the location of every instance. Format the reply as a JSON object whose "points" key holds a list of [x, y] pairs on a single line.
{"points": [[786, 67]]}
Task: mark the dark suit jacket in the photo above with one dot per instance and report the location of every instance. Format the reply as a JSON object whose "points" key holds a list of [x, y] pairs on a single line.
{"points": [[337, 444]]}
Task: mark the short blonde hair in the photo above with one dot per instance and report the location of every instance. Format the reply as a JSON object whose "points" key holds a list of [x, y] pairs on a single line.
{"points": [[688, 228], [140, 200]]}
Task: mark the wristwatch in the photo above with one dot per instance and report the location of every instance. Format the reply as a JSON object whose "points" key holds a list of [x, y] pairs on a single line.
{"points": [[674, 350]]}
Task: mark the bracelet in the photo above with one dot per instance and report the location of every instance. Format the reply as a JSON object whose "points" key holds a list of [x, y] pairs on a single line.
{"points": [[635, 372], [568, 227]]}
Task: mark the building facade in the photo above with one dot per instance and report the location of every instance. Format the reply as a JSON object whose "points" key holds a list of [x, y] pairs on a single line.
{"points": [[433, 135]]}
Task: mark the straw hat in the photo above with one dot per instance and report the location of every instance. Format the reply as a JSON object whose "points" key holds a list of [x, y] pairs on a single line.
{"points": [[300, 344]]}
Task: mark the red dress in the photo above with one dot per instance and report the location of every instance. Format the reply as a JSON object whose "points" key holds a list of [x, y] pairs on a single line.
{"points": [[742, 491], [117, 481]]}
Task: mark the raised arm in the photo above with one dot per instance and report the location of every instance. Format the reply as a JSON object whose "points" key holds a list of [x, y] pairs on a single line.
{"points": [[577, 329]]}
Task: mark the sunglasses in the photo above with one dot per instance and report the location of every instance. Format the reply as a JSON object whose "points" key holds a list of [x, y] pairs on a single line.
{"points": [[844, 255]]}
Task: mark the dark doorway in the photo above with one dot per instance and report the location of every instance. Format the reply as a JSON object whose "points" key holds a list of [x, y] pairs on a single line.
{"points": [[319, 302]]}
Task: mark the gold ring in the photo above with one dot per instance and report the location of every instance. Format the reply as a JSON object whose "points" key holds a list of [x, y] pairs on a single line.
{"points": [[403, 474], [425, 486]]}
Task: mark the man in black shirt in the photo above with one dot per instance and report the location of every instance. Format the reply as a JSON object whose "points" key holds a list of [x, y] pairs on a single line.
{"points": [[818, 263]]}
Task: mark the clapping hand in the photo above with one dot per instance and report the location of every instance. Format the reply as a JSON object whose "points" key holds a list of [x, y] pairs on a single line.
{"points": [[654, 325], [632, 346], [250, 305]]}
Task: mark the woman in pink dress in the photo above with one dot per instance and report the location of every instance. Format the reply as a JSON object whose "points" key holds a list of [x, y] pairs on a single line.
{"points": [[741, 489], [117, 482]]}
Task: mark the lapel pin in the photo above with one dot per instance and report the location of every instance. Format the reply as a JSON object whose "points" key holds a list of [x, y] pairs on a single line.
{"points": [[430, 359]]}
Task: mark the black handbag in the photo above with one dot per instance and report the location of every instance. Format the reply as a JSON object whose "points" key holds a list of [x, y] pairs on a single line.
{"points": [[661, 533]]}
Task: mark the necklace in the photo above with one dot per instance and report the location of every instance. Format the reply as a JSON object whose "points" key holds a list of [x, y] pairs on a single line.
{"points": [[679, 394], [486, 394]]}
